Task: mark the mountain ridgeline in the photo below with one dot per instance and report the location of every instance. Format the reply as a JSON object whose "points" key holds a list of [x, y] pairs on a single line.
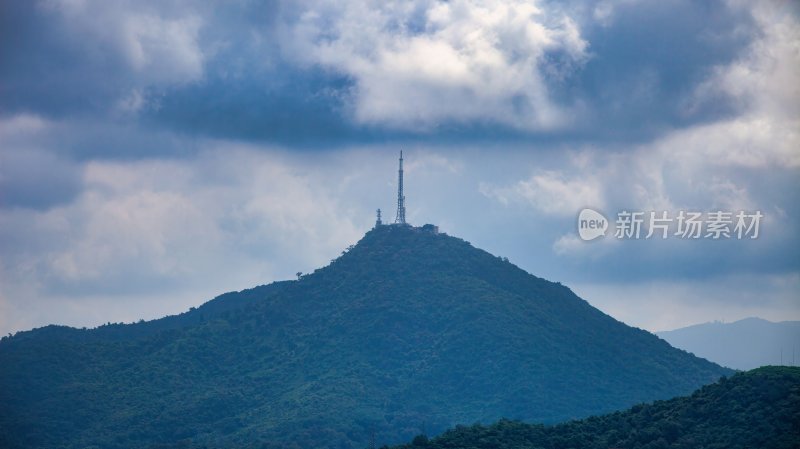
{"points": [[409, 329], [743, 344]]}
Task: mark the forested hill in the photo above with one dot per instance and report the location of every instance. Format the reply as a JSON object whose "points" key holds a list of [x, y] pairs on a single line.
{"points": [[407, 327], [755, 409]]}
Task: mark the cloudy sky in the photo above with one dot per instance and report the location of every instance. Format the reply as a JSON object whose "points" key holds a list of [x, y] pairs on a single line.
{"points": [[154, 154]]}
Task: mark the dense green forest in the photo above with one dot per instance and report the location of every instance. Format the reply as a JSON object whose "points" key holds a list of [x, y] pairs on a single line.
{"points": [[408, 328], [755, 409]]}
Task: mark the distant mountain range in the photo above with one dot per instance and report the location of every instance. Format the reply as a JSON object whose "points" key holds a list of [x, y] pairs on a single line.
{"points": [[409, 329], [756, 409], [743, 344]]}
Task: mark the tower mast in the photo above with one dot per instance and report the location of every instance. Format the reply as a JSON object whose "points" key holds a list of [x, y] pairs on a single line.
{"points": [[401, 199]]}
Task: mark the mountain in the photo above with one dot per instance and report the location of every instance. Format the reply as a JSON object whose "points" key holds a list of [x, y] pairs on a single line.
{"points": [[408, 329], [744, 344], [756, 409]]}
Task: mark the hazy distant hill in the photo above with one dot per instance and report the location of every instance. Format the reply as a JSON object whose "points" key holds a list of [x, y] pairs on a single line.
{"points": [[409, 329], [757, 409], [744, 344]]}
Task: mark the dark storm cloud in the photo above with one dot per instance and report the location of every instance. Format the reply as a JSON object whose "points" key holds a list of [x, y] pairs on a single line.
{"points": [[65, 59], [639, 80], [302, 108], [49, 71], [650, 57], [644, 62]]}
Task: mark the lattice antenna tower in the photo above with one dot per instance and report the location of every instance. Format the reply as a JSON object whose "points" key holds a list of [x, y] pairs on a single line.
{"points": [[401, 199]]}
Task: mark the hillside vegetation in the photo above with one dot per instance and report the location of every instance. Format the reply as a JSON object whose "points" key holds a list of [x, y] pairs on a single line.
{"points": [[757, 409]]}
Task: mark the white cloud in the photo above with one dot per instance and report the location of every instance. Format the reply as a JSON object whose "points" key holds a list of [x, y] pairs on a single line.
{"points": [[699, 166], [158, 48], [767, 76], [754, 141], [423, 63], [552, 192], [21, 125], [165, 49], [132, 103], [604, 10], [230, 218], [570, 243], [765, 84]]}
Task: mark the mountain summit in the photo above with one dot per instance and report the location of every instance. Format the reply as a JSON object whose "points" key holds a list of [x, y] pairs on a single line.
{"points": [[409, 330]]}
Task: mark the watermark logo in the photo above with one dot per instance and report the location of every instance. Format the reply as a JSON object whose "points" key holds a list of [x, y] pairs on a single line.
{"points": [[635, 225], [591, 224]]}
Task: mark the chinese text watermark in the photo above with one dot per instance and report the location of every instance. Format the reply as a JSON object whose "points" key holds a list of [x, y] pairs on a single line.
{"points": [[662, 225]]}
